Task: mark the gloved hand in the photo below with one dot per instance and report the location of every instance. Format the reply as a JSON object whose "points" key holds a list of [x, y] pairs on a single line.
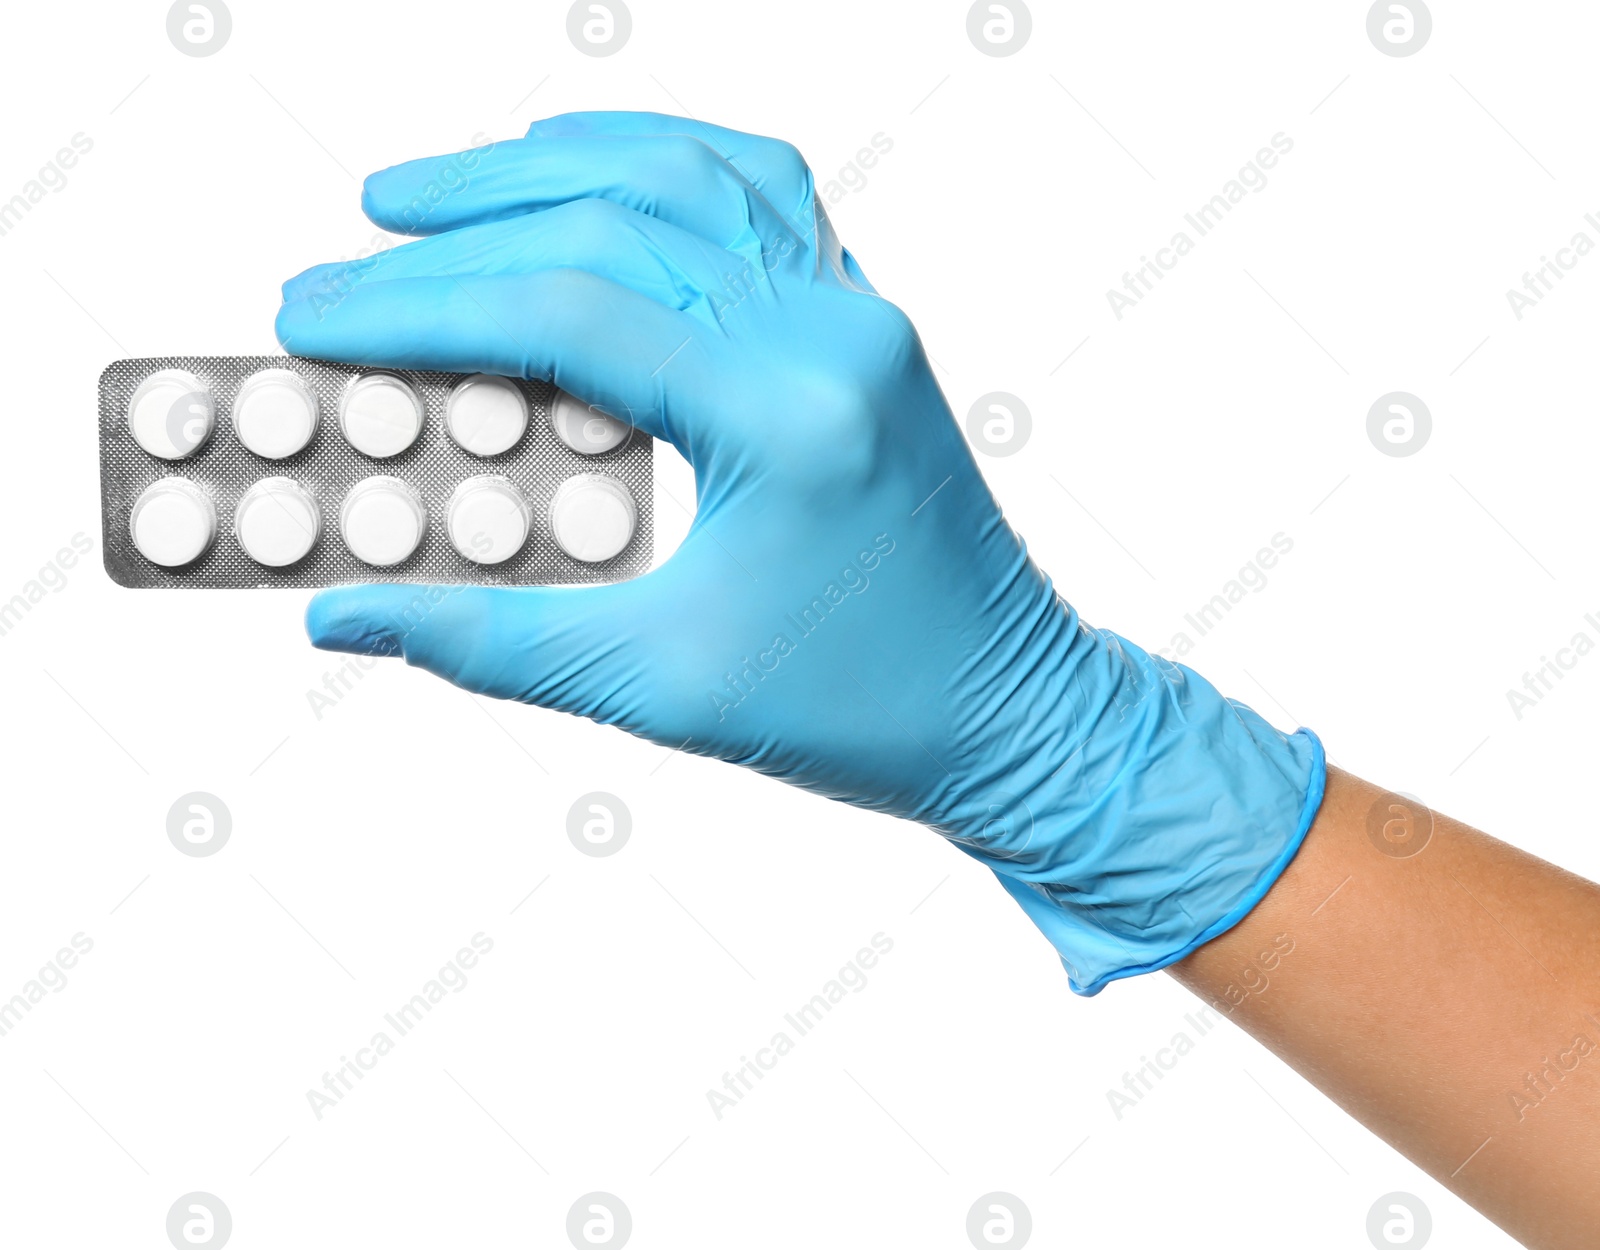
{"points": [[850, 611]]}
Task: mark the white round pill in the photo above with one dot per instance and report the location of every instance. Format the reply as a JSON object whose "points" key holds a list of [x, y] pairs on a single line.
{"points": [[486, 415], [592, 517], [277, 522], [488, 519], [382, 521], [275, 413], [380, 414], [173, 522], [171, 413], [586, 431]]}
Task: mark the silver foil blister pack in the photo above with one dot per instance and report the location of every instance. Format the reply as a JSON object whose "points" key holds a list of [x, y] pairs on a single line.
{"points": [[259, 471]]}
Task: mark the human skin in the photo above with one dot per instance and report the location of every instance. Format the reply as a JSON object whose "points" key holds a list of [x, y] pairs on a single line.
{"points": [[1445, 991]]}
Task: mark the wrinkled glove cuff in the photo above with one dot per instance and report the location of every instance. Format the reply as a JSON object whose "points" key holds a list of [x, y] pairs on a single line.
{"points": [[1138, 813], [1097, 950]]}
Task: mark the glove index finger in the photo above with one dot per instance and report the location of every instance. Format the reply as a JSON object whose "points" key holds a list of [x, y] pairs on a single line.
{"points": [[602, 342], [774, 167], [423, 196], [679, 178]]}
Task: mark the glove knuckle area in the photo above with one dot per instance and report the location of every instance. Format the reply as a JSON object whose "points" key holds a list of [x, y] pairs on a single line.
{"points": [[784, 159], [565, 293], [685, 166], [890, 335], [783, 175], [778, 168], [869, 337], [590, 226], [840, 441]]}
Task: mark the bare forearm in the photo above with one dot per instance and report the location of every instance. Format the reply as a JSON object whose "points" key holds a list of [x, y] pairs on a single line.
{"points": [[1444, 988]]}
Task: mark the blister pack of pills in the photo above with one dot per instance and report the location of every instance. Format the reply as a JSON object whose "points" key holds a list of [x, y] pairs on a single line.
{"points": [[254, 471]]}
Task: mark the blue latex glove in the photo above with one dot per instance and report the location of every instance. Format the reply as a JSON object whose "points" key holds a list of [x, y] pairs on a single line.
{"points": [[850, 611]]}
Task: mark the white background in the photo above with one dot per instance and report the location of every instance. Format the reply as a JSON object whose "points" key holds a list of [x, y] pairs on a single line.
{"points": [[369, 845]]}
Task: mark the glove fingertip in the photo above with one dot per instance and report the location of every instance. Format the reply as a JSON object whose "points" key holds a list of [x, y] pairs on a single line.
{"points": [[291, 289], [372, 203], [352, 619], [389, 200]]}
